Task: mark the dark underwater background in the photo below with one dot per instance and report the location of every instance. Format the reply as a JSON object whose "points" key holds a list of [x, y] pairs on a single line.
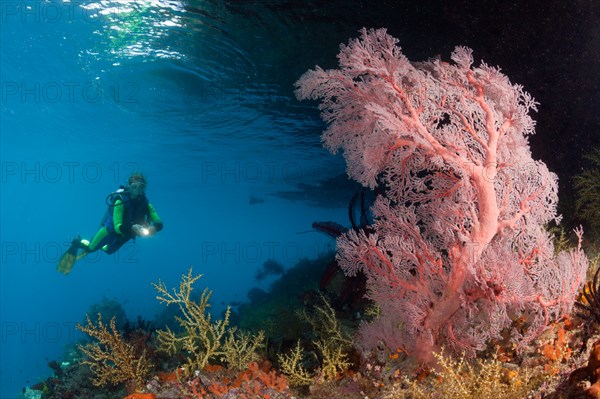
{"points": [[198, 95]]}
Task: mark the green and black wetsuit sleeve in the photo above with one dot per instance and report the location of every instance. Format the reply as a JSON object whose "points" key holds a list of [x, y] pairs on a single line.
{"points": [[118, 219], [154, 218]]}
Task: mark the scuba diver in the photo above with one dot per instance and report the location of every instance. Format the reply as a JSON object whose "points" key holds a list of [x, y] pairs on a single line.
{"points": [[129, 215]]}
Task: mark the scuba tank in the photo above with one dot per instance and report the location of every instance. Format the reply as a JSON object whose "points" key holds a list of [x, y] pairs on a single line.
{"points": [[111, 199], [115, 195]]}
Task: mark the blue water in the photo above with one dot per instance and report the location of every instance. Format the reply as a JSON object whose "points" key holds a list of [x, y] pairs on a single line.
{"points": [[92, 92], [198, 95]]}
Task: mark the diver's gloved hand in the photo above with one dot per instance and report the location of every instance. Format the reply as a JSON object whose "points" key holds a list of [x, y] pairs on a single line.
{"points": [[139, 230]]}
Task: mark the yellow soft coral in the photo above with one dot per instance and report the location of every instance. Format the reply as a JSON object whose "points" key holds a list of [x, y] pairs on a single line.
{"points": [[460, 378], [202, 338], [332, 342], [111, 359], [291, 366], [241, 348]]}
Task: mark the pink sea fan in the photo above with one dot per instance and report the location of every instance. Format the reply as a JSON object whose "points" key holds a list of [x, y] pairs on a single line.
{"points": [[458, 249]]}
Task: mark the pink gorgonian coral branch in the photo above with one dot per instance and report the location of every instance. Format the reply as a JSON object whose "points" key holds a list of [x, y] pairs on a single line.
{"points": [[458, 249]]}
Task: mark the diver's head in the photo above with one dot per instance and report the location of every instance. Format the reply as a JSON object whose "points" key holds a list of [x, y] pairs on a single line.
{"points": [[137, 185]]}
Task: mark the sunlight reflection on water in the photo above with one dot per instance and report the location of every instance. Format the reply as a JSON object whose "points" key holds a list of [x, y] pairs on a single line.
{"points": [[132, 28]]}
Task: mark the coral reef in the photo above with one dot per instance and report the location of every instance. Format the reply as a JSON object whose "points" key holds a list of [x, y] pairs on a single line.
{"points": [[111, 359], [332, 346], [459, 379], [274, 310], [588, 307], [331, 341], [291, 365], [202, 338], [458, 248], [241, 348], [321, 363], [589, 373], [256, 381]]}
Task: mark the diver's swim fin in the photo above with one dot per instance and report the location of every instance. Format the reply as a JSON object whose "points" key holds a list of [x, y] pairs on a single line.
{"points": [[67, 260]]}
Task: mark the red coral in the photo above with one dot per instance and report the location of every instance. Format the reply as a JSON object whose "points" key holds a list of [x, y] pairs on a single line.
{"points": [[591, 372], [218, 389], [168, 377], [256, 381], [139, 395]]}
